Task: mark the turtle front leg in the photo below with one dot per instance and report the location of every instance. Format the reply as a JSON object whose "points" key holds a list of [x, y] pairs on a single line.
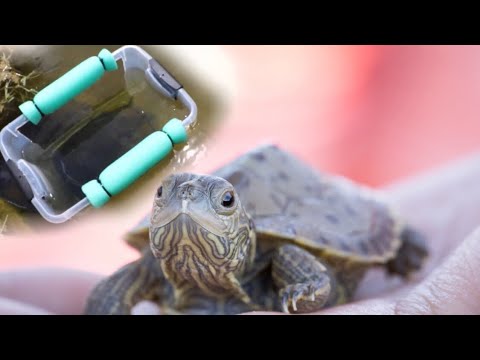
{"points": [[304, 283], [118, 293]]}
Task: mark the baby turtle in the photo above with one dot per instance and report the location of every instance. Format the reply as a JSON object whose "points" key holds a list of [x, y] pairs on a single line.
{"points": [[265, 232]]}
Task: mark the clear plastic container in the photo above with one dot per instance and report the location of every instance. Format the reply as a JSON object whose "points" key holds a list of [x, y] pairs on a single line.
{"points": [[52, 160]]}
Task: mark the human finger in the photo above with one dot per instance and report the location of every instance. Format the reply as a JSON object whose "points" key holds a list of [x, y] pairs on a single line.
{"points": [[12, 307], [453, 288], [61, 291], [146, 308]]}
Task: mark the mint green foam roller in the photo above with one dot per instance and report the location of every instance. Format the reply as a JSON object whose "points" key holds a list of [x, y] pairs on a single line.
{"points": [[128, 168], [96, 194], [67, 87]]}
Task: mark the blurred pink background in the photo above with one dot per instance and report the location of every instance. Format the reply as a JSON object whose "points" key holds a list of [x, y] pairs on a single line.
{"points": [[373, 113]]}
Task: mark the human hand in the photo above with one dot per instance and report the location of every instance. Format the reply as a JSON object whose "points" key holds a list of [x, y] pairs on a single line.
{"points": [[443, 204]]}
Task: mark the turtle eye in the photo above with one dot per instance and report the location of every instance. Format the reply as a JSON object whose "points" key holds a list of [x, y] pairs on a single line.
{"points": [[160, 191], [228, 199]]}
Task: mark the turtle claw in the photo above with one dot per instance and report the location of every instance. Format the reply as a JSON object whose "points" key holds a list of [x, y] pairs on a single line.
{"points": [[311, 290], [305, 297], [285, 302], [297, 295]]}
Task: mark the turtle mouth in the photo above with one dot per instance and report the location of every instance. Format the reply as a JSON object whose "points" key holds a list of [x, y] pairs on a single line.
{"points": [[183, 236]]}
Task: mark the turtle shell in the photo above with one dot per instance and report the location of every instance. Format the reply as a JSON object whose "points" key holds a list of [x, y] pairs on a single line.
{"points": [[289, 200]]}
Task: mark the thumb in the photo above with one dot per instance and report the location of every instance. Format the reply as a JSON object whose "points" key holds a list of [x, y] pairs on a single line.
{"points": [[453, 288], [146, 308]]}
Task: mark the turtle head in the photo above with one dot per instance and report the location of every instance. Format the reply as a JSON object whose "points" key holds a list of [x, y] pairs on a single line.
{"points": [[201, 233]]}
